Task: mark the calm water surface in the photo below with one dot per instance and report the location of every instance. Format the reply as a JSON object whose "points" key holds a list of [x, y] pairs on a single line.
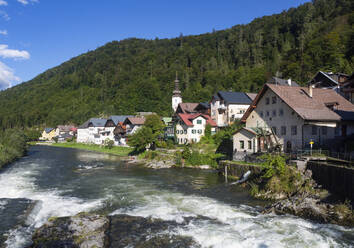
{"points": [[61, 182]]}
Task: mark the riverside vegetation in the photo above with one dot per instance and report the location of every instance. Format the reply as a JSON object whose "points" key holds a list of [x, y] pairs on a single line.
{"points": [[12, 146], [133, 75]]}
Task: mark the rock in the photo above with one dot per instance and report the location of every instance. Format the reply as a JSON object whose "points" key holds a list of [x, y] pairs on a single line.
{"points": [[89, 230]]}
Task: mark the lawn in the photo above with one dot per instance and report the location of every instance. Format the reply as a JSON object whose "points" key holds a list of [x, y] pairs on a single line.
{"points": [[115, 150]]}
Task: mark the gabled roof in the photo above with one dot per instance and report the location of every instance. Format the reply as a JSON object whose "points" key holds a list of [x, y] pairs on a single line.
{"points": [[66, 128], [136, 120], [233, 97], [48, 129], [280, 81], [252, 96], [308, 108], [187, 119], [205, 105], [118, 118], [96, 122], [246, 129], [187, 107]]}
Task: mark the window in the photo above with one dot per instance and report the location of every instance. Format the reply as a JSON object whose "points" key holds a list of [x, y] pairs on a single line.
{"points": [[283, 130], [199, 121], [274, 130], [314, 130], [185, 131], [267, 113], [324, 130], [261, 114], [185, 140], [249, 145], [274, 99], [281, 112], [274, 113], [177, 132], [242, 144], [293, 130], [200, 131], [267, 100], [194, 131]]}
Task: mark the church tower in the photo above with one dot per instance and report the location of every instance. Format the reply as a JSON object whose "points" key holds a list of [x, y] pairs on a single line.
{"points": [[176, 97]]}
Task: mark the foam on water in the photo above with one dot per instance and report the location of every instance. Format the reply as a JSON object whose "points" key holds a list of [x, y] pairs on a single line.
{"points": [[19, 182], [234, 226]]}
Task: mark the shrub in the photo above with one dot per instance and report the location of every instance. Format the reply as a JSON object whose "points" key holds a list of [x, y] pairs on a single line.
{"points": [[186, 153]]}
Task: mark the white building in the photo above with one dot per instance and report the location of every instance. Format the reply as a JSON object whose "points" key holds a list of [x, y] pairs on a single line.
{"points": [[226, 107], [90, 131], [176, 96], [291, 117], [191, 127]]}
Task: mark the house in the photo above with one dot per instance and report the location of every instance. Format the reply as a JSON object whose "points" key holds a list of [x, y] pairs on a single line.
{"points": [[191, 127], [93, 131], [291, 117], [169, 131], [226, 107], [132, 124], [120, 134], [328, 80], [348, 89], [65, 137], [48, 134], [66, 129]]}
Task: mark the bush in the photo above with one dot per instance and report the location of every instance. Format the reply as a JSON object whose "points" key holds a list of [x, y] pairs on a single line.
{"points": [[108, 143], [186, 153]]}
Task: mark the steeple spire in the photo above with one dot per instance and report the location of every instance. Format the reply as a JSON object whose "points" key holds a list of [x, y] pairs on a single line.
{"points": [[176, 92], [176, 96]]}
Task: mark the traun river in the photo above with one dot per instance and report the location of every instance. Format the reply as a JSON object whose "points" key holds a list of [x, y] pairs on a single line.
{"points": [[62, 182]]}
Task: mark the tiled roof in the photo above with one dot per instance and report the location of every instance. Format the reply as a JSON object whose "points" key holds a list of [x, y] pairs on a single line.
{"points": [[66, 128], [280, 81], [48, 129], [188, 107], [118, 118], [136, 120], [234, 97], [96, 122], [252, 96], [188, 118], [310, 108]]}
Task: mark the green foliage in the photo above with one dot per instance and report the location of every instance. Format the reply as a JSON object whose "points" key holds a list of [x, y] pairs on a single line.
{"points": [[148, 134], [12, 145], [32, 135], [136, 74], [186, 153], [273, 165], [116, 150], [108, 143]]}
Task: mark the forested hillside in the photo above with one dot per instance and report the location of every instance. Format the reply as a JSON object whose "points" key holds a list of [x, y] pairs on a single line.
{"points": [[136, 74]]}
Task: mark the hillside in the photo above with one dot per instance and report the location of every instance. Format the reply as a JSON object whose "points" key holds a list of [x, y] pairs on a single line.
{"points": [[136, 74]]}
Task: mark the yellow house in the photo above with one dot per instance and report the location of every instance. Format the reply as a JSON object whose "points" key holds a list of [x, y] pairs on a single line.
{"points": [[48, 134]]}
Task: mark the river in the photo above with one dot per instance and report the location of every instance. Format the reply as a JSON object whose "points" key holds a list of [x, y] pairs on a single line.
{"points": [[54, 181]]}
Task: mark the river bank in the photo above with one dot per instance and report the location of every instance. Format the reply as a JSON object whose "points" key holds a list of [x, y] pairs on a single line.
{"points": [[53, 183], [12, 146]]}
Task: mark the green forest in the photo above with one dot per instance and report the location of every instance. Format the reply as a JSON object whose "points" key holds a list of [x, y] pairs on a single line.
{"points": [[123, 77]]}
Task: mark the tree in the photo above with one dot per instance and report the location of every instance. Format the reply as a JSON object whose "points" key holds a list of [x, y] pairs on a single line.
{"points": [[148, 134]]}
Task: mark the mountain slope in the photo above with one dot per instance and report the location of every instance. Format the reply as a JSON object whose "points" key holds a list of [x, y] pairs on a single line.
{"points": [[137, 74]]}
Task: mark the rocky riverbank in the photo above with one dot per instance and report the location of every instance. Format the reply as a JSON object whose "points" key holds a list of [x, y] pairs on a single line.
{"points": [[90, 230]]}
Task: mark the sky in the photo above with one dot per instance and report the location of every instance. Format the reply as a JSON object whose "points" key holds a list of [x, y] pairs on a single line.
{"points": [[36, 35]]}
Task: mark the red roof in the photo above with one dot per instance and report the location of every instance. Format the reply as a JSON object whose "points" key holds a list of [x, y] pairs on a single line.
{"points": [[188, 118]]}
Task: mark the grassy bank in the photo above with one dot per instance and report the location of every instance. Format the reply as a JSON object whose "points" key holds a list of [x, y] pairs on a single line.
{"points": [[12, 146], [115, 150]]}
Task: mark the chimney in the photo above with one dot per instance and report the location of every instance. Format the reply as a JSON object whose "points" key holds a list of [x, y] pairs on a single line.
{"points": [[310, 90], [289, 81]]}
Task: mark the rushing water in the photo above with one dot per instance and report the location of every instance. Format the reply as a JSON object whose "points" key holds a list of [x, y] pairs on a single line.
{"points": [[61, 182]]}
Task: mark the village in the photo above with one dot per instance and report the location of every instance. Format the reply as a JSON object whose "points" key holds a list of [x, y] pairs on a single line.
{"points": [[282, 117]]}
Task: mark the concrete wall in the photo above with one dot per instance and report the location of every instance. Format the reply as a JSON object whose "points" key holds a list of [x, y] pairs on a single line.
{"points": [[237, 170], [337, 180]]}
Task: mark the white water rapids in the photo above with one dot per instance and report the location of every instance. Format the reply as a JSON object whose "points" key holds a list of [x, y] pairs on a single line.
{"points": [[217, 223]]}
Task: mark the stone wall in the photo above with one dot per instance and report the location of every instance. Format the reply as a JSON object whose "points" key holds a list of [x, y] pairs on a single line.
{"points": [[338, 180]]}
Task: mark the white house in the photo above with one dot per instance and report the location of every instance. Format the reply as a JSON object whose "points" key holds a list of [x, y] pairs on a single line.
{"points": [[132, 124], [90, 131], [226, 107], [191, 127], [291, 117]]}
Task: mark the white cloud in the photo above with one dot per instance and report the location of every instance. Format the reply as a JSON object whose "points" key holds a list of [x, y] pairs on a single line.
{"points": [[12, 53], [3, 3], [25, 2], [4, 15], [7, 76], [3, 32]]}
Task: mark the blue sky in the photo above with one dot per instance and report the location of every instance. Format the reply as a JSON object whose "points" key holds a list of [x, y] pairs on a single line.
{"points": [[36, 35]]}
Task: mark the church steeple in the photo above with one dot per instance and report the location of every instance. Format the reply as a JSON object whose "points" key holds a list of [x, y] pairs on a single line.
{"points": [[177, 96]]}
